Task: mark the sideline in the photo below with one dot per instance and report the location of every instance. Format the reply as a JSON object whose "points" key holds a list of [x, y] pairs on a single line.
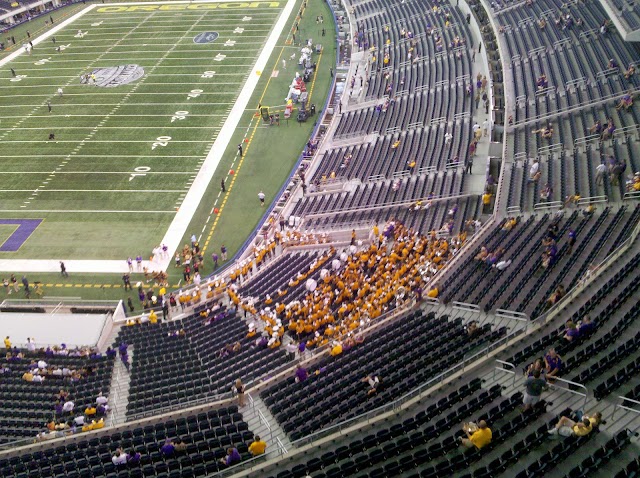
{"points": [[182, 219]]}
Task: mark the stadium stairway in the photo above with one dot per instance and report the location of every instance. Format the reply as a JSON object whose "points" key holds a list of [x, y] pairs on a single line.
{"points": [[119, 391], [264, 424]]}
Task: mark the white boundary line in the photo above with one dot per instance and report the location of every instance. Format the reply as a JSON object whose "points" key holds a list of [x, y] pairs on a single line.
{"points": [[183, 217]]}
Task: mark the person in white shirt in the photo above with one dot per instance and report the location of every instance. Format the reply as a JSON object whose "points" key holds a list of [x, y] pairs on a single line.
{"points": [[38, 378], [79, 420], [31, 345], [601, 171], [68, 406], [101, 400], [57, 372], [502, 265], [42, 364], [447, 138], [485, 128], [120, 458], [533, 170]]}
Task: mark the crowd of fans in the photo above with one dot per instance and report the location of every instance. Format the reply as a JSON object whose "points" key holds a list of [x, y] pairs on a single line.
{"points": [[359, 285]]}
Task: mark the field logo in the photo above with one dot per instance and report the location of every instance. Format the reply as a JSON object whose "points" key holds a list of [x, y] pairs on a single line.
{"points": [[205, 37], [114, 76]]}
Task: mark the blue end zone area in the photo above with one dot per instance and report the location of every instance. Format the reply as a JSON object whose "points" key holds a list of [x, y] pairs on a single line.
{"points": [[20, 235]]}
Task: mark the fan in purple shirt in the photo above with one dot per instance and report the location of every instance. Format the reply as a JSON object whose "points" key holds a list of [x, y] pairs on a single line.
{"points": [[301, 374]]}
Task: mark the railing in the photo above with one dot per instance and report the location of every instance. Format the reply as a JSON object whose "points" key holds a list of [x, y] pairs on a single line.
{"points": [[592, 200], [629, 195], [621, 406], [513, 210], [549, 149], [346, 136], [570, 384], [521, 319], [512, 372], [634, 128], [571, 107], [283, 450], [56, 303], [543, 206], [385, 205], [560, 43], [264, 421]]}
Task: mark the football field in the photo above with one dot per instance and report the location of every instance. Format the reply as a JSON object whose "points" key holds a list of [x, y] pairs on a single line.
{"points": [[113, 124]]}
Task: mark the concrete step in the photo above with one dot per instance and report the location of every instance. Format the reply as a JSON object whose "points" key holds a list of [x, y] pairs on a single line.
{"points": [[119, 391], [262, 423]]}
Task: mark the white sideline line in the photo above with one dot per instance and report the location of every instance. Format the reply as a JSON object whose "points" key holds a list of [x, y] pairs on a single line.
{"points": [[185, 214]]}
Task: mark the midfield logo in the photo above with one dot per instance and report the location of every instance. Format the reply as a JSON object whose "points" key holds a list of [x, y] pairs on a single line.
{"points": [[205, 37], [113, 76]]}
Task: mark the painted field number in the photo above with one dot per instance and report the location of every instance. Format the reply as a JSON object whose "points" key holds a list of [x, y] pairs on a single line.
{"points": [[194, 94], [139, 171], [208, 74], [179, 115], [161, 141]]}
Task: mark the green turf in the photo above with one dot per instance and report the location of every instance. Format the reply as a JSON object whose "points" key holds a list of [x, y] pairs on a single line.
{"points": [[89, 164], [103, 164]]}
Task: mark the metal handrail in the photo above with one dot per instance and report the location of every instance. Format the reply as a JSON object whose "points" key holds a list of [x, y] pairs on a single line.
{"points": [[386, 205], [264, 421], [623, 407], [281, 446], [503, 370], [570, 383]]}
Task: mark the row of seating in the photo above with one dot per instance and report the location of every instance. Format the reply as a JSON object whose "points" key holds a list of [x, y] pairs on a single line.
{"points": [[400, 357], [205, 445], [28, 406], [194, 367]]}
